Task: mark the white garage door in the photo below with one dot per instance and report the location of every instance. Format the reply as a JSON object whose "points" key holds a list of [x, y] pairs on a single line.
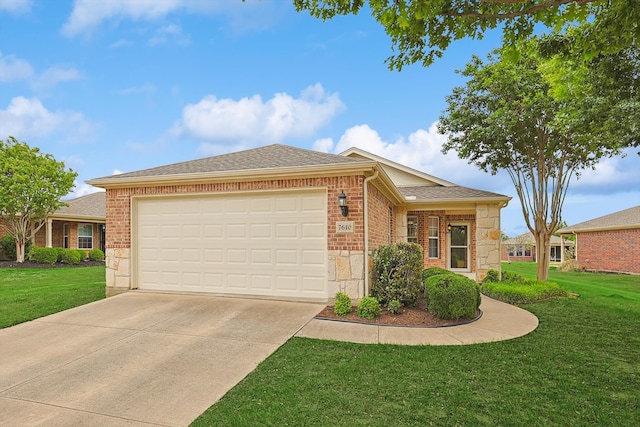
{"points": [[268, 244]]}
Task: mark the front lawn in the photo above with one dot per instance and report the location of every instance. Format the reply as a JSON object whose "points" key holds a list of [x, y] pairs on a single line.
{"points": [[580, 367], [29, 293]]}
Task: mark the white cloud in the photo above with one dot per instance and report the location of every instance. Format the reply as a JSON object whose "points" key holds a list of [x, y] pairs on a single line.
{"points": [[28, 118], [121, 43], [251, 121], [82, 189], [54, 75], [169, 33], [14, 69], [117, 172], [421, 150], [16, 6], [610, 175]]}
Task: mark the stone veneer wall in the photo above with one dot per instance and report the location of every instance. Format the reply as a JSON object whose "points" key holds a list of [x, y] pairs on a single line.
{"points": [[487, 239], [345, 250]]}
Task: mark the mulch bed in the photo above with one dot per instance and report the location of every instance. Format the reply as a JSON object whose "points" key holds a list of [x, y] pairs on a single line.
{"points": [[417, 316], [30, 264]]}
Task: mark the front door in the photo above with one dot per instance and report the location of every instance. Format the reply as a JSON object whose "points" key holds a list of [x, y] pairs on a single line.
{"points": [[459, 247]]}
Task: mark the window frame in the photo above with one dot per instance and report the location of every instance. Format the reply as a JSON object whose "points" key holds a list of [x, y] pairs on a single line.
{"points": [[433, 238], [412, 238], [88, 239]]}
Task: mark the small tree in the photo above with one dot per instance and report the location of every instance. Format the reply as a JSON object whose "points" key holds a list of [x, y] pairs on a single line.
{"points": [[31, 185]]}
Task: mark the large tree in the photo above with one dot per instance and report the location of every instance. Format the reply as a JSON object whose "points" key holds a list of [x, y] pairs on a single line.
{"points": [[421, 30], [543, 119], [31, 187]]}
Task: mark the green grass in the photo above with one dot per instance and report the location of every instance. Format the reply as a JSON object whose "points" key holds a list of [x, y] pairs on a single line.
{"points": [[530, 291], [29, 293], [580, 367]]}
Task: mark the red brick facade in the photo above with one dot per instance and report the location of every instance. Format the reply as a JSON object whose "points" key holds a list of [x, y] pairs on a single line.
{"points": [[119, 205], [612, 250], [382, 222]]}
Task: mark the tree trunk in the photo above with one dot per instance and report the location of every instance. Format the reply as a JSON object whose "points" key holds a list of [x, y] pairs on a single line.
{"points": [[543, 240], [20, 250]]}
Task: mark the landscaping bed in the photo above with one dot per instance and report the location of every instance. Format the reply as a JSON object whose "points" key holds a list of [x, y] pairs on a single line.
{"points": [[31, 264]]}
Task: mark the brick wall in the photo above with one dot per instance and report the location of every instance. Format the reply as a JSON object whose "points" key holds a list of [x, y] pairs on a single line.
{"points": [[382, 220], [119, 205], [613, 250], [423, 237]]}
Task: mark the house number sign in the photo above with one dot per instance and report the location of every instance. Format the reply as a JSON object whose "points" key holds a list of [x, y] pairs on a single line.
{"points": [[344, 227]]}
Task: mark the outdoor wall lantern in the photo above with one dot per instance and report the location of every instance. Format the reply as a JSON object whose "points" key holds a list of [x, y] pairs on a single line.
{"points": [[342, 202], [449, 228]]}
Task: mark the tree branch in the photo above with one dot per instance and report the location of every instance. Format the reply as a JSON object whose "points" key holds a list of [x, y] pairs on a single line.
{"points": [[510, 15]]}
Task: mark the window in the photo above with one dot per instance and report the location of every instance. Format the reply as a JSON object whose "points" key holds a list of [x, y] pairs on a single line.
{"points": [[65, 236], [522, 251], [412, 229], [85, 236], [434, 237], [459, 247]]}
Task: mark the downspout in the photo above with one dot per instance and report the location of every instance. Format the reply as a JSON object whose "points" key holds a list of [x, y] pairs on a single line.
{"points": [[365, 284]]}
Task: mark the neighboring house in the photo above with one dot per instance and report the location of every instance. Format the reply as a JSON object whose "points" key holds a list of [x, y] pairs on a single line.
{"points": [[609, 243], [285, 222], [523, 248], [81, 225]]}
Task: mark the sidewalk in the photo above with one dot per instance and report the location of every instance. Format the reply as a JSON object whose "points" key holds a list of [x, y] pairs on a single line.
{"points": [[500, 321]]}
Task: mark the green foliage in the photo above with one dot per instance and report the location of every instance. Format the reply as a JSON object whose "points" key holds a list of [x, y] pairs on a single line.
{"points": [[60, 252], [70, 256], [452, 296], [492, 276], [82, 254], [32, 184], [523, 292], [570, 265], [8, 247], [96, 255], [369, 307], [396, 273], [421, 30], [44, 255], [508, 276], [433, 271], [342, 305], [394, 306]]}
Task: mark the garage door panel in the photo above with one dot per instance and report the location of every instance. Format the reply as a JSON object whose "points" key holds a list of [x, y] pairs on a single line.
{"points": [[262, 244]]}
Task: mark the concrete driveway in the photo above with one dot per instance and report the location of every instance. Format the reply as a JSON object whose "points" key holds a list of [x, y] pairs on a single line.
{"points": [[138, 359]]}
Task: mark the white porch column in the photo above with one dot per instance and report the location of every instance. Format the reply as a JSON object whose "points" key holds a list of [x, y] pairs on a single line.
{"points": [[49, 232]]}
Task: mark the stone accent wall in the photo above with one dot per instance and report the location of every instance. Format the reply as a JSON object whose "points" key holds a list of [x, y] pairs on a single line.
{"points": [[611, 250], [346, 273], [118, 230], [487, 236]]}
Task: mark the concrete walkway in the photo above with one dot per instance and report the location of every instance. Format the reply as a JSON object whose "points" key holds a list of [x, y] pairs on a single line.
{"points": [[499, 322], [138, 359]]}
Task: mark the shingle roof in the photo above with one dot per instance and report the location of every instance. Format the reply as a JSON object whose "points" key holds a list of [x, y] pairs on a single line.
{"points": [[428, 193], [527, 239], [628, 218], [91, 205], [268, 157]]}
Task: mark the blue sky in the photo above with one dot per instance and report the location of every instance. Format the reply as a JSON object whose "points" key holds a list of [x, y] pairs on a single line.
{"points": [[121, 85]]}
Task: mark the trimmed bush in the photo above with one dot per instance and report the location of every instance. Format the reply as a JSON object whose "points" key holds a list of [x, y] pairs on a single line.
{"points": [[8, 247], [493, 276], [82, 253], [369, 308], [397, 273], [523, 293], [342, 305], [70, 256], [452, 296], [394, 306], [570, 265], [60, 252], [43, 255], [96, 255], [508, 276], [434, 271]]}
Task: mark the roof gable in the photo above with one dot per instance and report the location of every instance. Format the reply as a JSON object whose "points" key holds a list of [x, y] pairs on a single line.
{"points": [[91, 206], [624, 219], [400, 175], [268, 157]]}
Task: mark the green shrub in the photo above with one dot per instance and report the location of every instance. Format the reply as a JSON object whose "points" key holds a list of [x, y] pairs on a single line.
{"points": [[492, 276], [60, 251], [8, 247], [43, 255], [96, 255], [433, 271], [342, 305], [570, 265], [394, 306], [369, 308], [70, 256], [452, 296], [82, 253], [397, 272], [508, 276], [523, 293]]}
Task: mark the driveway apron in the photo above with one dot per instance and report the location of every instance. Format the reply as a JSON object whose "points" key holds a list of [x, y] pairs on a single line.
{"points": [[138, 359]]}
